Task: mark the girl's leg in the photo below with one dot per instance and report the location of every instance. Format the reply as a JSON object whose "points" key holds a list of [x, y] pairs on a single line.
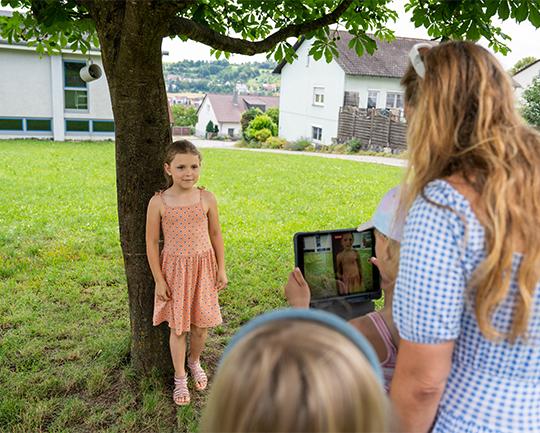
{"points": [[196, 346], [177, 344], [178, 352]]}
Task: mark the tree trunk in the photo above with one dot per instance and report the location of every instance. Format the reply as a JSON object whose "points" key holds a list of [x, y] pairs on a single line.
{"points": [[131, 53]]}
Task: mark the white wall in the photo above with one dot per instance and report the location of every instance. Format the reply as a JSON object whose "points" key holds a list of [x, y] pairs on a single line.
{"points": [[204, 114], [525, 79], [224, 128], [362, 84], [297, 112], [25, 89]]}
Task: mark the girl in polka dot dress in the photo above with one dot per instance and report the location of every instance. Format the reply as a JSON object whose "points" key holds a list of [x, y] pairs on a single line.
{"points": [[191, 268]]}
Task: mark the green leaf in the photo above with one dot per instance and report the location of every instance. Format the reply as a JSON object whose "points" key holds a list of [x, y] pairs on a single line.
{"points": [[504, 11], [534, 15], [521, 12]]}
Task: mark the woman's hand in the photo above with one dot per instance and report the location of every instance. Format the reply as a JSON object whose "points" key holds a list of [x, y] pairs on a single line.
{"points": [[297, 290], [386, 282], [222, 280], [163, 292]]}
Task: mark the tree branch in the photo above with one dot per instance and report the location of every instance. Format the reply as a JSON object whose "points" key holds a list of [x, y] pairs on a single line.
{"points": [[180, 26]]}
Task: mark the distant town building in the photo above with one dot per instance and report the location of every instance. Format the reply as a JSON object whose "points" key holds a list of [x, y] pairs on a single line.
{"points": [[226, 111], [185, 98]]}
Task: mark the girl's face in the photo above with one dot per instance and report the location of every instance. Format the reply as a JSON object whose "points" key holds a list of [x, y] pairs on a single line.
{"points": [[184, 169], [347, 241]]}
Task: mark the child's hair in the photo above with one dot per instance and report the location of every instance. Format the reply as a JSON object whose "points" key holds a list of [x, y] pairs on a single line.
{"points": [[296, 376], [175, 148], [463, 121]]}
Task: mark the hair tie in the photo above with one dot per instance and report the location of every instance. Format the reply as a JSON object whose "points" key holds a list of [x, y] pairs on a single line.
{"points": [[416, 59], [318, 316]]}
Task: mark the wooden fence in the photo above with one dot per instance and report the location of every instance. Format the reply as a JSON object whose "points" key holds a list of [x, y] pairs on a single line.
{"points": [[377, 130]]}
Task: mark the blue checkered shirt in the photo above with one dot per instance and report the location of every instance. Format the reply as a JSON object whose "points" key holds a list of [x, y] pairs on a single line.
{"points": [[493, 387]]}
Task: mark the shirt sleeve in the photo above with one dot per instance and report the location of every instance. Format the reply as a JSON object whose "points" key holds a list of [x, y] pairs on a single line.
{"points": [[429, 296]]}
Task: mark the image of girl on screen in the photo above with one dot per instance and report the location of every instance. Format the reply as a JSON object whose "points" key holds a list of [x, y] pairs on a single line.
{"points": [[348, 266]]}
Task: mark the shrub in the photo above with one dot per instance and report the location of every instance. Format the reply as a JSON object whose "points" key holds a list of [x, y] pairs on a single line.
{"points": [[273, 113], [262, 121], [210, 126], [184, 115], [216, 129], [275, 143], [248, 116], [302, 144], [262, 135], [531, 108], [354, 145]]}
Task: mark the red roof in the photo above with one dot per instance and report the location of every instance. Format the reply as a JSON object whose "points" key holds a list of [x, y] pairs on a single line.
{"points": [[226, 110]]}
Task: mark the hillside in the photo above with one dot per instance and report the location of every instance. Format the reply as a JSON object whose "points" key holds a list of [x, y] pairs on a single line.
{"points": [[220, 76]]}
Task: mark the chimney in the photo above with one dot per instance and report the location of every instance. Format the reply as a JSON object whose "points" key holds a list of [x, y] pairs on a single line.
{"points": [[235, 97]]}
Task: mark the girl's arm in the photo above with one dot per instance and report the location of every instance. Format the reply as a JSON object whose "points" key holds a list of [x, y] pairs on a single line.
{"points": [[153, 226], [216, 238], [419, 381], [339, 265]]}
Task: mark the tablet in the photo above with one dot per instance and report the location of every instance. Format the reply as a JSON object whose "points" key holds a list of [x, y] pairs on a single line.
{"points": [[336, 264]]}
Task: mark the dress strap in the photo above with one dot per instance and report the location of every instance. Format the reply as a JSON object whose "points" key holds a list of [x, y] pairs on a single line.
{"points": [[384, 332]]}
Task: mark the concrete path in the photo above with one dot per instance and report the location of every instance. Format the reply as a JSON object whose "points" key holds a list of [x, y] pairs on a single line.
{"points": [[216, 144]]}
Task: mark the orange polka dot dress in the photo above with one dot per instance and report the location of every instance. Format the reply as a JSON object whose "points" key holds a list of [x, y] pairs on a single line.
{"points": [[188, 263]]}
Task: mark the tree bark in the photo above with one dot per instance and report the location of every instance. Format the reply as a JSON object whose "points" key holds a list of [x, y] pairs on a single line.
{"points": [[131, 54]]}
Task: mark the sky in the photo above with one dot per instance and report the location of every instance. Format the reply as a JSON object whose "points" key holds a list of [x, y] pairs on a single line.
{"points": [[525, 42]]}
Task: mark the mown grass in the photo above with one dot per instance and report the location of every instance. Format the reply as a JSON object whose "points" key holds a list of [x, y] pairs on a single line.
{"points": [[64, 327]]}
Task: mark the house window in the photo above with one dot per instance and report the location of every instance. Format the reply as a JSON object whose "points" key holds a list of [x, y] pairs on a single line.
{"points": [[318, 96], [372, 97], [230, 132], [11, 125], [394, 100], [316, 133], [38, 125], [102, 126], [77, 125], [75, 89]]}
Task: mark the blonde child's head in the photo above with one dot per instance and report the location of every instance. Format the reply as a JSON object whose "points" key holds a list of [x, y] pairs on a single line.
{"points": [[178, 147], [295, 372], [463, 121]]}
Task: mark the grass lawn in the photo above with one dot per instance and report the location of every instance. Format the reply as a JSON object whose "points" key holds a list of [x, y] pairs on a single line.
{"points": [[64, 327]]}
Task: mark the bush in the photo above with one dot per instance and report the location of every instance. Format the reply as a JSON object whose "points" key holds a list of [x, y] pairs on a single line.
{"points": [[247, 117], [184, 115], [275, 143], [531, 107], [273, 113], [302, 144], [354, 145], [262, 135], [262, 121], [210, 126], [216, 129]]}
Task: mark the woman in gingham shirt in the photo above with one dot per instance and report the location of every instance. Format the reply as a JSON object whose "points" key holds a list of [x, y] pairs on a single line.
{"points": [[467, 297]]}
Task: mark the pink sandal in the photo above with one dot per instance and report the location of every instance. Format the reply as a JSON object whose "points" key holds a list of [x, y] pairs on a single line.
{"points": [[199, 376], [181, 391]]}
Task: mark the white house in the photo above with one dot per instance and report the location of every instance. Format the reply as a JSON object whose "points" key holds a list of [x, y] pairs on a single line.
{"points": [[313, 91], [226, 111], [524, 77], [45, 97]]}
